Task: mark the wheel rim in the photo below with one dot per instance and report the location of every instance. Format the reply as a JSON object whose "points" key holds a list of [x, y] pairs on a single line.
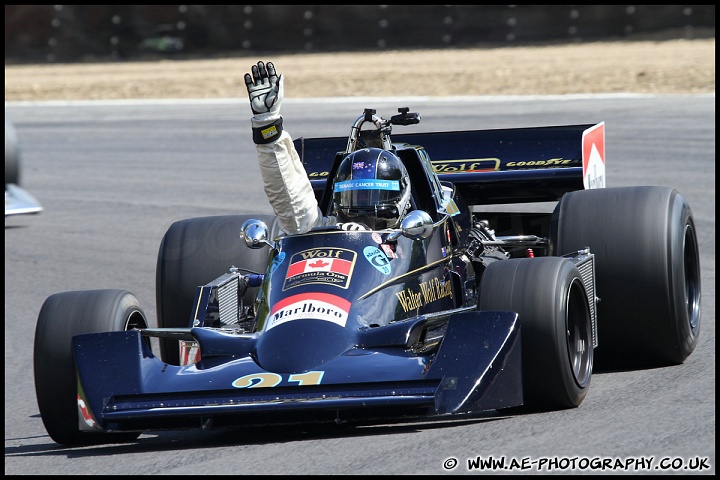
{"points": [[691, 264], [578, 330], [136, 320]]}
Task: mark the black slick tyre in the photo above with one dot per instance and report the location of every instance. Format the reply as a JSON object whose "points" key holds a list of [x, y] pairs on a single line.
{"points": [[62, 316], [647, 269], [555, 326], [194, 252]]}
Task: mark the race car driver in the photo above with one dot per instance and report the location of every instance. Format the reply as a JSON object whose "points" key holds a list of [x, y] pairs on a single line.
{"points": [[370, 191]]}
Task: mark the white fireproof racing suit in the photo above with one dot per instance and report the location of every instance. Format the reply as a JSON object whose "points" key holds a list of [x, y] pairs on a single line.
{"points": [[288, 187]]}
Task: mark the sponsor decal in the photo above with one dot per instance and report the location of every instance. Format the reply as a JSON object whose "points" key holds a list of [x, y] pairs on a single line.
{"points": [[377, 259], [277, 261], [328, 266], [268, 379], [466, 165], [430, 291], [189, 352], [367, 184], [593, 153], [376, 237], [450, 206], [494, 164], [552, 162], [84, 412], [269, 132], [309, 306], [388, 250]]}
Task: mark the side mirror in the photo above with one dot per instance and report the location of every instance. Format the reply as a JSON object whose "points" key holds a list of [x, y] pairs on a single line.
{"points": [[255, 233], [417, 225]]}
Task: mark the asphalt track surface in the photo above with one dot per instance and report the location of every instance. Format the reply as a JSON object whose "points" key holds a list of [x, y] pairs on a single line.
{"points": [[114, 176]]}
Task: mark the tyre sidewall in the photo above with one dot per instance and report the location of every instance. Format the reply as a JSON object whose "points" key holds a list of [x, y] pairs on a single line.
{"points": [[638, 236], [194, 252], [62, 316], [537, 289], [680, 258]]}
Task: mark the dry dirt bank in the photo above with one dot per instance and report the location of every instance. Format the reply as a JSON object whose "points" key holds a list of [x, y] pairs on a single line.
{"points": [[660, 67]]}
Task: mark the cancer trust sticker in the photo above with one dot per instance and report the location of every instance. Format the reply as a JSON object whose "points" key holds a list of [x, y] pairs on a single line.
{"points": [[310, 306]]}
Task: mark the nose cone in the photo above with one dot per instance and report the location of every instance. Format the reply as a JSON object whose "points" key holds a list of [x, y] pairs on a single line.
{"points": [[301, 345]]}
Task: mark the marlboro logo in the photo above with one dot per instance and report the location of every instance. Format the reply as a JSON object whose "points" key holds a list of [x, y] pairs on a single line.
{"points": [[593, 153], [310, 306]]}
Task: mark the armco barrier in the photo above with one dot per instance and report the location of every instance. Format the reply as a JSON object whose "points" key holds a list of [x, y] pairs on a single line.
{"points": [[71, 33]]}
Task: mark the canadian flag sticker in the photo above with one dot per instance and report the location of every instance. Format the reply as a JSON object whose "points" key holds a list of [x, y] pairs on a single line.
{"points": [[327, 266], [593, 156]]}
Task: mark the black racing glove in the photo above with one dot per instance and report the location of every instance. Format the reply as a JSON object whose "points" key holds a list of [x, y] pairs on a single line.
{"points": [[265, 89]]}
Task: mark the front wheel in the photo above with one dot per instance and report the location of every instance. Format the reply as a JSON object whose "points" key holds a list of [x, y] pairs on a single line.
{"points": [[555, 326], [61, 317]]}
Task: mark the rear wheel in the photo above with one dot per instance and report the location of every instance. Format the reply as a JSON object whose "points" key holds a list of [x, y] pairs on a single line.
{"points": [[555, 326], [196, 251], [61, 317], [647, 271]]}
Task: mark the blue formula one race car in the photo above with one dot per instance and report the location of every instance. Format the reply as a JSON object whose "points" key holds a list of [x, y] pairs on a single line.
{"points": [[18, 201], [464, 308]]}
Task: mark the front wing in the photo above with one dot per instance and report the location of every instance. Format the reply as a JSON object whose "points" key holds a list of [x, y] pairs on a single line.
{"points": [[122, 386], [19, 201]]}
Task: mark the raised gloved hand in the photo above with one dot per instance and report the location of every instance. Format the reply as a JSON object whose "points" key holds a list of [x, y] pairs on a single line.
{"points": [[265, 89]]}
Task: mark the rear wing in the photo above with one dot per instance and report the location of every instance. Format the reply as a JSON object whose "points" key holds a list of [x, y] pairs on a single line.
{"points": [[517, 165]]}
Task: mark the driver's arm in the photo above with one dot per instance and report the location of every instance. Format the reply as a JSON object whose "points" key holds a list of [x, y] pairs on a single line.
{"points": [[286, 182], [287, 186]]}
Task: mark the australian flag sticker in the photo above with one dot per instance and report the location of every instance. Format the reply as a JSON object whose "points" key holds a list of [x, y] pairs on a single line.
{"points": [[328, 266]]}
